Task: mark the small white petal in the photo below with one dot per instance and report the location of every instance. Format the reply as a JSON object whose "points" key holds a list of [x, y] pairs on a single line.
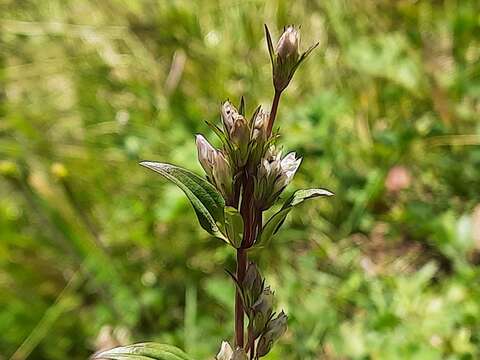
{"points": [[290, 165], [206, 154], [288, 43], [228, 115], [261, 124], [225, 352]]}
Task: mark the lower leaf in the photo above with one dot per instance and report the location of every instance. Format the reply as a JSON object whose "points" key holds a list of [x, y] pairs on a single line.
{"points": [[143, 351]]}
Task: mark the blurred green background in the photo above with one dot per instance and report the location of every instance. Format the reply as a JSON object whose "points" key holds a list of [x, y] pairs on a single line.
{"points": [[96, 251]]}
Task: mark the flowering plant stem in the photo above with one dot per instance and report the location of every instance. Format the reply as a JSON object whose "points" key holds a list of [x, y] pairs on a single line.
{"points": [[248, 215], [244, 178], [239, 312], [252, 219]]}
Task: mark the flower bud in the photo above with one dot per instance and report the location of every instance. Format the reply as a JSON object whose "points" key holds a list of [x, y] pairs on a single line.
{"points": [[222, 175], [238, 132], [262, 311], [229, 112], [286, 56], [216, 166], [287, 46], [206, 154], [235, 124], [260, 124], [252, 285], [274, 330]]}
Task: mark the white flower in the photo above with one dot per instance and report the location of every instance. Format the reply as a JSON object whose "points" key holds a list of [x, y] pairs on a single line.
{"points": [[226, 352], [273, 175], [270, 167], [289, 165]]}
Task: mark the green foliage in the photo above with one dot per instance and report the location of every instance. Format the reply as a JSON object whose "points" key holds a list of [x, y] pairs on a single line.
{"points": [[105, 253], [143, 351], [205, 199], [273, 224]]}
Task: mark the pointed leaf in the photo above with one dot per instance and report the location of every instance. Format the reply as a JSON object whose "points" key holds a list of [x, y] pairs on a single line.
{"points": [[276, 221], [301, 195], [271, 51], [271, 227], [143, 351], [308, 51], [302, 58], [237, 286], [207, 202], [241, 108]]}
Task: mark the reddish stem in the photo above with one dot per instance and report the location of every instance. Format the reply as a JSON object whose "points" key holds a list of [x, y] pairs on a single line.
{"points": [[273, 111], [241, 268], [251, 342], [250, 221]]}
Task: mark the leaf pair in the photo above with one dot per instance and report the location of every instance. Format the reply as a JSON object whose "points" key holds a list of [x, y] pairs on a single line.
{"points": [[143, 351], [217, 219]]}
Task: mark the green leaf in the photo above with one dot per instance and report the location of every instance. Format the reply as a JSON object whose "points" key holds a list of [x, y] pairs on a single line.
{"points": [[207, 202], [143, 351], [303, 57], [234, 226], [271, 227], [276, 221], [220, 134], [271, 51], [301, 195], [241, 108]]}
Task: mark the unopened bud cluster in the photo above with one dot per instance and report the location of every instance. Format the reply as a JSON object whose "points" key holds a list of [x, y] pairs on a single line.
{"points": [[266, 327], [247, 148]]}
